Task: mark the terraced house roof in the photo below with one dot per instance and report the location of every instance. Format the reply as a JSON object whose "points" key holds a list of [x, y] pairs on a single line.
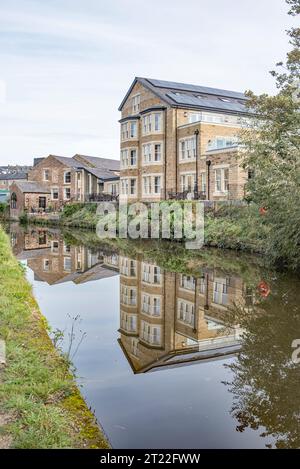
{"points": [[32, 187], [189, 96]]}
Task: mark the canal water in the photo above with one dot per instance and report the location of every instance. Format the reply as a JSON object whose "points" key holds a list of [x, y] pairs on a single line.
{"points": [[198, 355]]}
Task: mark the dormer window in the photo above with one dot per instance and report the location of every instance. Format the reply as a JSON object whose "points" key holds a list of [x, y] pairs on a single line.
{"points": [[136, 103]]}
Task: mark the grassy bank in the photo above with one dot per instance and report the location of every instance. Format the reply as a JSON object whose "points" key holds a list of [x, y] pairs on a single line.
{"points": [[41, 406], [226, 227]]}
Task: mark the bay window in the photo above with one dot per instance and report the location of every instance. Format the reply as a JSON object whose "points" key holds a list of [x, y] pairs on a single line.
{"points": [[152, 123]]}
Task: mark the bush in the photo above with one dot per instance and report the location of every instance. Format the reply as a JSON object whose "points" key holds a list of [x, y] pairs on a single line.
{"points": [[70, 209]]}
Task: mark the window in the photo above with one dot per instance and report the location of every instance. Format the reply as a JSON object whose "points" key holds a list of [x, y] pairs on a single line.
{"points": [[151, 273], [124, 186], [221, 180], [136, 100], [67, 264], [42, 203], [132, 186], [133, 129], [186, 312], [113, 188], [124, 158], [132, 157], [54, 246], [150, 334], [152, 185], [46, 265], [67, 248], [67, 193], [128, 130], [221, 291], [187, 282], [157, 186], [187, 182], [128, 295], [152, 123], [13, 200], [220, 143], [187, 149], [128, 267], [203, 183], [194, 117], [152, 153], [157, 152], [54, 193], [128, 322], [67, 177], [46, 175], [151, 305]]}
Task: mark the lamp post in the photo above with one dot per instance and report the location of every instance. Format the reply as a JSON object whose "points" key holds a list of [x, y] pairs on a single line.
{"points": [[196, 182]]}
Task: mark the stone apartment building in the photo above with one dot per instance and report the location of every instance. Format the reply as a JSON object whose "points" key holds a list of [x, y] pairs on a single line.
{"points": [[57, 180], [179, 139], [167, 318]]}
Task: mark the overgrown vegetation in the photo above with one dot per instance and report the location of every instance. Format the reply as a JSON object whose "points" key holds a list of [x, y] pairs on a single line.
{"points": [[37, 390], [272, 151]]}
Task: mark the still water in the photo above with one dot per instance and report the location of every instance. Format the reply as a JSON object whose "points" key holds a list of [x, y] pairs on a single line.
{"points": [[200, 357]]}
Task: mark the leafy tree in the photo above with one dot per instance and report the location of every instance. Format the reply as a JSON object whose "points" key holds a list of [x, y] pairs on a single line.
{"points": [[272, 152]]}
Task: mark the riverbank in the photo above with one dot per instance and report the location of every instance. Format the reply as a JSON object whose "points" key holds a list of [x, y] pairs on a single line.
{"points": [[41, 406], [226, 226]]}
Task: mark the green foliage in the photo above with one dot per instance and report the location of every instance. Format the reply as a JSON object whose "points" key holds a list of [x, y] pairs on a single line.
{"points": [[70, 209], [272, 151], [23, 218], [3, 208]]}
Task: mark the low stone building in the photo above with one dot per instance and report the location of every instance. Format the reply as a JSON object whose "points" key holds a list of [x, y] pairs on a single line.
{"points": [[28, 196]]}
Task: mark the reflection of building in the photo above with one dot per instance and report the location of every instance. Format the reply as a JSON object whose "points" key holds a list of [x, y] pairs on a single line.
{"points": [[55, 261], [168, 318]]}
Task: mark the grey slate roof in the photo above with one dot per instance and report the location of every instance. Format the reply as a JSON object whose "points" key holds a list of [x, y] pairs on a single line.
{"points": [[193, 96], [32, 187], [11, 176], [97, 162]]}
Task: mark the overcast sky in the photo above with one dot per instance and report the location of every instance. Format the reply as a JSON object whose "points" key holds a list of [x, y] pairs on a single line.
{"points": [[65, 65]]}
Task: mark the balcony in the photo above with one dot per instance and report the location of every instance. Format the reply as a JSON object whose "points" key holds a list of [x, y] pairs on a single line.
{"points": [[102, 197], [186, 195]]}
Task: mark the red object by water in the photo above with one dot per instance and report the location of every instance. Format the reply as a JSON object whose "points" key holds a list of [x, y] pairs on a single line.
{"points": [[264, 289], [262, 211]]}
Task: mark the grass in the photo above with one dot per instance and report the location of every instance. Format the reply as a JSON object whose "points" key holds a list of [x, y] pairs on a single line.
{"points": [[37, 388]]}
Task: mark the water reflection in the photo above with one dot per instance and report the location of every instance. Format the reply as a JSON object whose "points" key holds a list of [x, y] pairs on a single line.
{"points": [[233, 320]]}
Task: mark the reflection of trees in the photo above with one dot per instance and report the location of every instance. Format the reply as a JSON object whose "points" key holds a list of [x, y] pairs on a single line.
{"points": [[266, 384]]}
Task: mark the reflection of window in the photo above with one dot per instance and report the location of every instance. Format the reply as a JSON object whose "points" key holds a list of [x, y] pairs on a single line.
{"points": [[150, 273], [67, 248], [13, 201], [151, 334], [42, 238], [46, 265], [187, 282], [127, 267], [151, 305], [128, 295], [134, 347], [67, 264], [128, 322], [221, 291], [186, 312], [54, 246]]}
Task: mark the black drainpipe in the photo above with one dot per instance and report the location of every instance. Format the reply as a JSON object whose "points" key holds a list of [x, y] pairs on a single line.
{"points": [[165, 157], [176, 151], [208, 163], [196, 183]]}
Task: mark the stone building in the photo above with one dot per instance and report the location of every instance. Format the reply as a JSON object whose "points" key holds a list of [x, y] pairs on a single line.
{"points": [[167, 318], [65, 180], [179, 139]]}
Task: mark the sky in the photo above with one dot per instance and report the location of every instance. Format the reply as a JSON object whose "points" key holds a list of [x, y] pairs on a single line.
{"points": [[65, 65]]}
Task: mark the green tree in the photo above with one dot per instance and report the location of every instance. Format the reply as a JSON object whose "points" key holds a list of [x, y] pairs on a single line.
{"points": [[272, 152]]}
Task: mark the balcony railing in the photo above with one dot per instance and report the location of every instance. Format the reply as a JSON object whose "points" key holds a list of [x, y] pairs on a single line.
{"points": [[102, 197], [186, 195]]}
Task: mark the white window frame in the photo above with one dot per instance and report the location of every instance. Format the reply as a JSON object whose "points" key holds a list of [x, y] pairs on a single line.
{"points": [[150, 192], [65, 191], [46, 170], [65, 174], [54, 189], [136, 102], [224, 187], [147, 333], [186, 312], [149, 156], [149, 123], [126, 130], [183, 183], [187, 149]]}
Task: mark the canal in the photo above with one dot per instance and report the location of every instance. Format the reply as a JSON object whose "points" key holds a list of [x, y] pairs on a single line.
{"points": [[195, 356]]}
